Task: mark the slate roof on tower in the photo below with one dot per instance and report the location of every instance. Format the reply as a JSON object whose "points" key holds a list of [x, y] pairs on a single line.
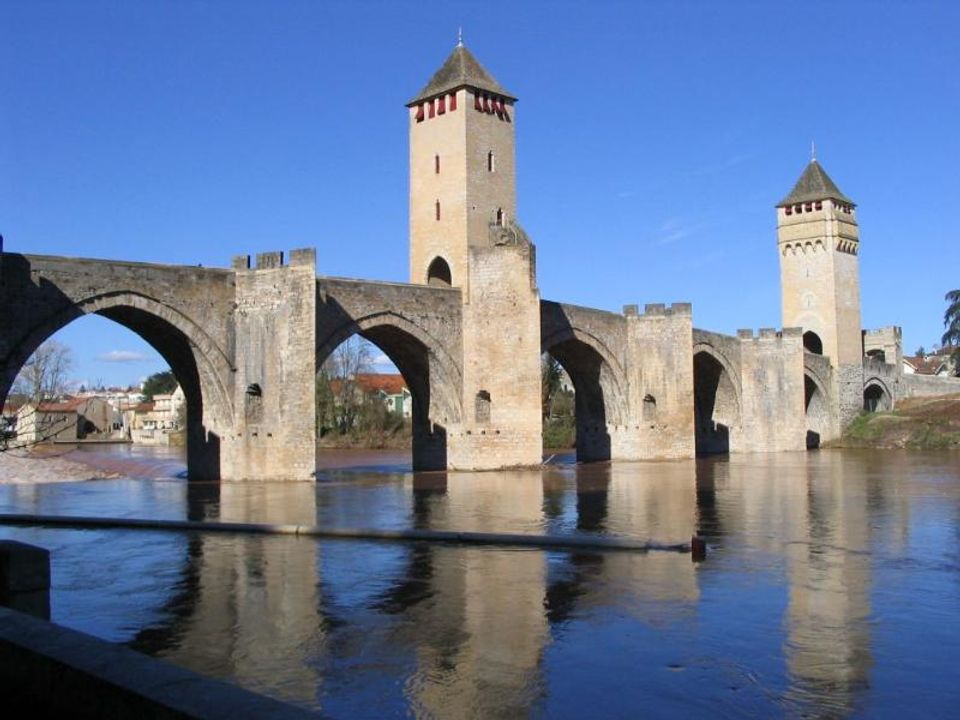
{"points": [[461, 69], [814, 184]]}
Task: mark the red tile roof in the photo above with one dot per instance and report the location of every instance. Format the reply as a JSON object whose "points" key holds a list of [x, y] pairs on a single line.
{"points": [[375, 382], [929, 365]]}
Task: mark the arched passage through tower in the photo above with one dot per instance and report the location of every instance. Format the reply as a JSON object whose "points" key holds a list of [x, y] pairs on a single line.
{"points": [[817, 411], [197, 364], [599, 397], [716, 399], [812, 343], [876, 396], [438, 274], [430, 377]]}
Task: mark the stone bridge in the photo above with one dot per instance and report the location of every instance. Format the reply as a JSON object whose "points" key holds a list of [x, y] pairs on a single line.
{"points": [[246, 344]]}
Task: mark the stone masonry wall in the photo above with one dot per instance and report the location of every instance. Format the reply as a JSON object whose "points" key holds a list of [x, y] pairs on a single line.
{"points": [[501, 363], [275, 399], [660, 370], [773, 391]]}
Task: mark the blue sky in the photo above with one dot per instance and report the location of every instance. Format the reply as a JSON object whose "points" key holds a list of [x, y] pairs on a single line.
{"points": [[653, 140]]}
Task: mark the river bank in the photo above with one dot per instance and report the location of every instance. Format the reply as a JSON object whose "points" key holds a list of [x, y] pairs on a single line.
{"points": [[44, 464], [931, 423]]}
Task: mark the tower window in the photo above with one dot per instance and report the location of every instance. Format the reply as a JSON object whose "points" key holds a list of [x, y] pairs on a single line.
{"points": [[649, 408], [436, 164], [431, 110], [441, 105], [436, 208], [788, 210], [491, 162], [482, 408], [808, 207], [798, 208], [499, 216], [477, 105], [819, 205], [420, 112], [453, 101]]}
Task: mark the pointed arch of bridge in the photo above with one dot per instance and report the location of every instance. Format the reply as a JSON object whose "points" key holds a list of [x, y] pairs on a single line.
{"points": [[718, 403], [199, 364], [600, 386], [876, 395], [816, 404], [431, 375]]}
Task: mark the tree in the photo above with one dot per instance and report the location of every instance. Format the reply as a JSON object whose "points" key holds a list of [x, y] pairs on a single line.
{"points": [[44, 376], [550, 376], [351, 358], [161, 383], [951, 321], [920, 352]]}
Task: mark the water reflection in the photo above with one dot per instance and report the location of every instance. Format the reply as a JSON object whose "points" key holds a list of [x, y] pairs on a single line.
{"points": [[810, 554]]}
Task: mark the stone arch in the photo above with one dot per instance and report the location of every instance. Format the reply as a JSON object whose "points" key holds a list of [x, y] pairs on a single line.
{"points": [[717, 401], [199, 364], [876, 396], [816, 405], [600, 386], [431, 375], [438, 273]]}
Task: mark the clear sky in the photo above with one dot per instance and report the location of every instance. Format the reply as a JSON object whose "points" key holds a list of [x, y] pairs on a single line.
{"points": [[653, 140]]}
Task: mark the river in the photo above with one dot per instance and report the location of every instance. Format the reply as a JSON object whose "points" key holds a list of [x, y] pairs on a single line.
{"points": [[830, 589]]}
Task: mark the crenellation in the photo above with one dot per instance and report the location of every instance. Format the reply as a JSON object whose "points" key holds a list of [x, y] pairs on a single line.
{"points": [[269, 260], [303, 256]]}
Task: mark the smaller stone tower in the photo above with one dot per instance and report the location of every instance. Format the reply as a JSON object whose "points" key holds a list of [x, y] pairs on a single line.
{"points": [[818, 239]]}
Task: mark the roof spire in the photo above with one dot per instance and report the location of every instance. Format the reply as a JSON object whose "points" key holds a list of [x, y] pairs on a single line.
{"points": [[460, 36], [813, 151]]}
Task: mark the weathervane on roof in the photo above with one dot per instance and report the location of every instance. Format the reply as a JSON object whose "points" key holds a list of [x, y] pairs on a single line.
{"points": [[813, 151], [460, 36]]}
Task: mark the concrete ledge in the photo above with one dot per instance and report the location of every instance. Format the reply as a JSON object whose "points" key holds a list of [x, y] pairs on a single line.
{"points": [[47, 667], [456, 537]]}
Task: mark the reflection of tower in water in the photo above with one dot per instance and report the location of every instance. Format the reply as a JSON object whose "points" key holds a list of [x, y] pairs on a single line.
{"points": [[828, 645], [488, 601], [814, 511], [247, 606]]}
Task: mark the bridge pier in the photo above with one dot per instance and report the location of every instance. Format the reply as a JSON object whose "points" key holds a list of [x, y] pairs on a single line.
{"points": [[274, 423]]}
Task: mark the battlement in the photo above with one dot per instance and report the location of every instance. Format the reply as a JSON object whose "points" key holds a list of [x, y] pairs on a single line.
{"points": [[683, 309], [274, 259]]}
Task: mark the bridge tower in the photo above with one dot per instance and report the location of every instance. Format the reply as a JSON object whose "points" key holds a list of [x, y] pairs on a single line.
{"points": [[819, 239], [464, 234]]}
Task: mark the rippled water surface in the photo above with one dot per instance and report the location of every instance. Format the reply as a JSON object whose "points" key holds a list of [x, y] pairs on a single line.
{"points": [[831, 587]]}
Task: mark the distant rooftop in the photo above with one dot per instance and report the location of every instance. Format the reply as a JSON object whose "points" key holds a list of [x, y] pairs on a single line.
{"points": [[814, 184], [461, 69]]}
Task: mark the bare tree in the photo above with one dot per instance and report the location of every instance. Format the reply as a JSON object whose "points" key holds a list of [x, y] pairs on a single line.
{"points": [[44, 375], [351, 358]]}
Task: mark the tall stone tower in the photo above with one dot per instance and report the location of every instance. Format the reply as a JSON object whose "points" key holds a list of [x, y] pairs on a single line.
{"points": [[462, 176], [464, 234], [818, 239]]}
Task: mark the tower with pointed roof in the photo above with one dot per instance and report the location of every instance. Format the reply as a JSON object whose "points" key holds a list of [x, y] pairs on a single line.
{"points": [[464, 234], [819, 240], [462, 176]]}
